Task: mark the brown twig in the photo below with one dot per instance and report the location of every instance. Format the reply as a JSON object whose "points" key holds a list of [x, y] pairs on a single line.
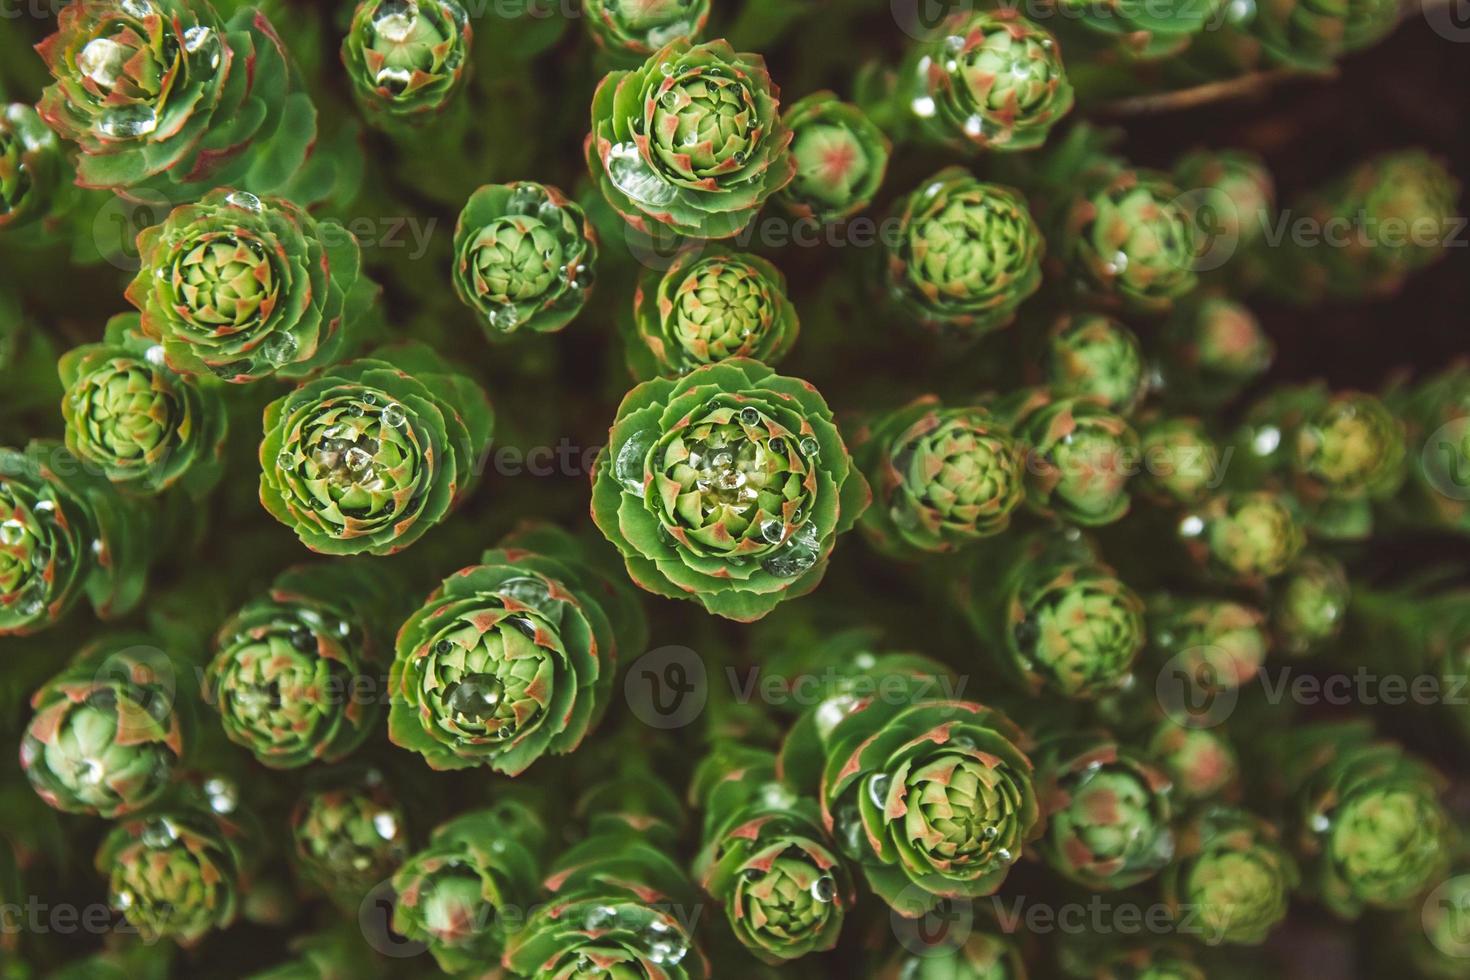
{"points": [[1241, 87]]}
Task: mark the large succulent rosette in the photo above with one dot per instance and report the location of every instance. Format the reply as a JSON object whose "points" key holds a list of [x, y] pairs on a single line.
{"points": [[162, 96], [728, 487], [1232, 880], [977, 956], [964, 255], [406, 58], [841, 158], [1054, 618], [941, 478], [466, 893], [349, 833], [692, 140], [129, 414], [523, 258], [631, 30], [708, 306], [370, 455], [1366, 820], [931, 797], [66, 531], [1095, 357], [1210, 350], [987, 80], [1435, 414], [512, 659], [1217, 644], [245, 287], [109, 730], [766, 858], [1181, 462], [1080, 456], [1108, 812], [1309, 603], [620, 905], [177, 873], [31, 168], [296, 674], [1243, 536]]}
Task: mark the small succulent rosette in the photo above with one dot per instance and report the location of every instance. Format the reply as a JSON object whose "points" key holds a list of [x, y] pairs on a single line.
{"points": [[1309, 604], [32, 171], [987, 80], [178, 873], [1341, 452], [524, 258], [1109, 812], [245, 287], [512, 659], [728, 487], [348, 833], [931, 797], [1201, 763], [370, 455], [1366, 820], [1092, 356], [467, 892], [1245, 537], [65, 531], [1181, 462], [110, 729], [1209, 350], [1239, 191], [1435, 413], [766, 858], [144, 426], [964, 255], [708, 306], [692, 140], [619, 903], [297, 674], [1217, 644], [942, 478], [1231, 881], [841, 159], [1055, 619], [631, 30], [163, 97], [1080, 456], [406, 59]]}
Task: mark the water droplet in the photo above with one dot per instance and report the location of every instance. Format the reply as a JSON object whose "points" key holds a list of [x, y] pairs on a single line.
{"points": [[600, 918], [532, 592], [923, 107], [504, 732], [878, 786], [393, 415], [631, 458], [665, 945], [244, 200], [1192, 526], [527, 199], [1320, 823], [1267, 438], [773, 531], [810, 447], [849, 826], [137, 8], [824, 889], [223, 795], [477, 696], [101, 60], [280, 348], [127, 121], [12, 532], [954, 43], [395, 22], [285, 460], [123, 901], [752, 874], [154, 355], [990, 833], [1004, 856], [197, 37], [632, 175], [357, 458], [750, 416], [974, 126], [797, 556], [386, 825], [45, 507], [504, 317], [443, 646], [303, 640], [159, 833], [667, 68]]}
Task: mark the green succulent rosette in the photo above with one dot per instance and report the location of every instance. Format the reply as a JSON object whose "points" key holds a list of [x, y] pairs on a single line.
{"points": [[66, 531], [349, 833], [245, 287], [841, 158], [370, 455], [1366, 818], [691, 141], [619, 904], [1080, 456], [129, 414], [1232, 879], [1181, 462], [728, 487], [708, 306], [406, 59], [1200, 763], [766, 858], [1309, 603], [631, 30], [466, 893], [1386, 219], [1211, 350], [1095, 357], [524, 258], [1217, 643], [1435, 414], [1127, 239], [31, 169], [110, 729], [296, 674], [1239, 192], [163, 97], [1243, 536], [979, 956], [177, 873], [1138, 30], [1312, 36], [512, 659], [1108, 812], [942, 478], [964, 254], [1053, 617]]}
